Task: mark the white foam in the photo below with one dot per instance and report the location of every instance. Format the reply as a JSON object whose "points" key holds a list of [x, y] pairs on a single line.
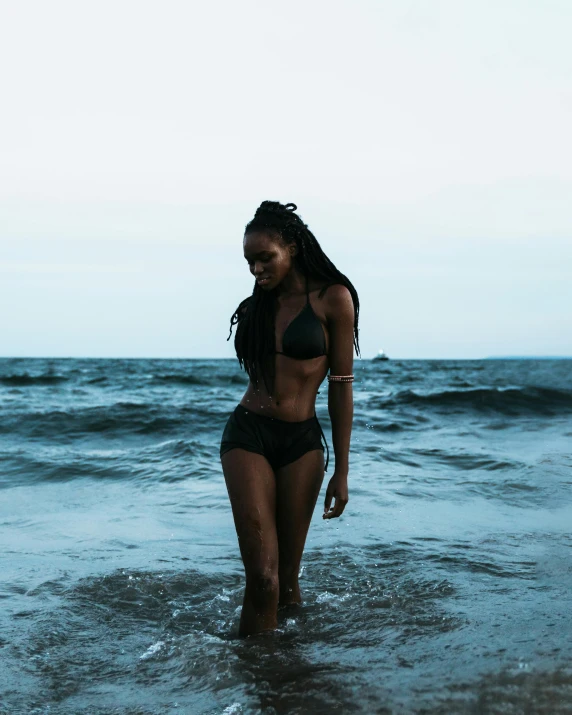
{"points": [[155, 648]]}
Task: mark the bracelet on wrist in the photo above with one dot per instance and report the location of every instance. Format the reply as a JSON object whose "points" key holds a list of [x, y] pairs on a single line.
{"points": [[340, 378]]}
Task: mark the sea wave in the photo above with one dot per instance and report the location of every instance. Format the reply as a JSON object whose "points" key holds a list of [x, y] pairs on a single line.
{"points": [[509, 401], [119, 419], [170, 461], [25, 379], [201, 379], [208, 378]]}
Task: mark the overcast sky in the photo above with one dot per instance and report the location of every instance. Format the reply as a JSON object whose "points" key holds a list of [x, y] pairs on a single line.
{"points": [[427, 144]]}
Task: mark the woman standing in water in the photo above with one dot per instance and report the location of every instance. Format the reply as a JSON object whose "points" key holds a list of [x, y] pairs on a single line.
{"points": [[300, 321]]}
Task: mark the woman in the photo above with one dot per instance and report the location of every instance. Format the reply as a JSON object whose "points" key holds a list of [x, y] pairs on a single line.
{"points": [[300, 321]]}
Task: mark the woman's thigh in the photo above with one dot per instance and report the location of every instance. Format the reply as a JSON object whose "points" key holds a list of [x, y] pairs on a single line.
{"points": [[297, 488], [251, 486]]}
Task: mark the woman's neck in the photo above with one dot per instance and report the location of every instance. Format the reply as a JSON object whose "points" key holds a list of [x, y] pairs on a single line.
{"points": [[293, 284]]}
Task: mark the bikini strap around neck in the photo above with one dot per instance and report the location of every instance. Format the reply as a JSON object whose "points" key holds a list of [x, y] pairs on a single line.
{"points": [[307, 291]]}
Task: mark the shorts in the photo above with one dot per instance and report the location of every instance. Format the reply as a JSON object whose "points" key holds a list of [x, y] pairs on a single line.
{"points": [[279, 441]]}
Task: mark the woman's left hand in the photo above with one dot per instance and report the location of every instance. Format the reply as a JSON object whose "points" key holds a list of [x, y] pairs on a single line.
{"points": [[338, 490]]}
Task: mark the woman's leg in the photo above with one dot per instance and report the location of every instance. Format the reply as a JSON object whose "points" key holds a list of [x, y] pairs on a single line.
{"points": [[297, 488], [252, 491]]}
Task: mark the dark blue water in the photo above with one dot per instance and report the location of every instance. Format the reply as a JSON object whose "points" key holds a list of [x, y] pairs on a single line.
{"points": [[446, 587]]}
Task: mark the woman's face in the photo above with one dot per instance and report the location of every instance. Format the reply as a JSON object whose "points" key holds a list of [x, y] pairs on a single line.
{"points": [[268, 258]]}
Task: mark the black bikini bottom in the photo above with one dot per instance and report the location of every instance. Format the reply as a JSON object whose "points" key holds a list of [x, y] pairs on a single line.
{"points": [[279, 441]]}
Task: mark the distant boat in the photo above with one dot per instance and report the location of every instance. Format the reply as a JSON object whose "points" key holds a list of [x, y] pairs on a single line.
{"points": [[381, 356]]}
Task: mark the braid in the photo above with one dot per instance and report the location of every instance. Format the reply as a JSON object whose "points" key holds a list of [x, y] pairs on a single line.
{"points": [[254, 339]]}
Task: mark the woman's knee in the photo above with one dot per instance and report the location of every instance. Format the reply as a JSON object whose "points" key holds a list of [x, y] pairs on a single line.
{"points": [[262, 583], [288, 572]]}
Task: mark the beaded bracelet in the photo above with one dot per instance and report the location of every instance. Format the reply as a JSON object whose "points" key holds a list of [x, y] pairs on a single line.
{"points": [[340, 378]]}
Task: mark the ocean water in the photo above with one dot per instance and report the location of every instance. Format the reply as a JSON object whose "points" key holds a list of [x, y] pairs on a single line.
{"points": [[446, 586]]}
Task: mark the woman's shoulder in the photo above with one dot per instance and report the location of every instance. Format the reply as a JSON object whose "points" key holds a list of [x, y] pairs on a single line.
{"points": [[335, 294], [337, 302]]}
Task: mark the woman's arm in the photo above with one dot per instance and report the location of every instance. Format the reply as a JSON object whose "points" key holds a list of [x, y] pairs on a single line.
{"points": [[340, 315]]}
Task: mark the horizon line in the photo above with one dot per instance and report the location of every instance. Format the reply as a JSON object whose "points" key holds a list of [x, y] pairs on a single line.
{"points": [[372, 359]]}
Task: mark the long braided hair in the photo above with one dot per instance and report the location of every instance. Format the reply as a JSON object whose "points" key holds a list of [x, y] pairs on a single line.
{"points": [[254, 339]]}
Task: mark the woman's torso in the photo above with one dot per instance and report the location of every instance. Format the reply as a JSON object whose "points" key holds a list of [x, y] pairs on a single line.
{"points": [[297, 379]]}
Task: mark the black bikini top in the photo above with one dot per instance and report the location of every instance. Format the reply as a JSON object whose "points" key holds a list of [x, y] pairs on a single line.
{"points": [[304, 337]]}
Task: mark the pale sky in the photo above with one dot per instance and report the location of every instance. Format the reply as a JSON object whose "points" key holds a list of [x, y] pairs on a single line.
{"points": [[426, 143]]}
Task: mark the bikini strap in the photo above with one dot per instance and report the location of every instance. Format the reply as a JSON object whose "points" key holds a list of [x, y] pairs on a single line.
{"points": [[307, 291]]}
